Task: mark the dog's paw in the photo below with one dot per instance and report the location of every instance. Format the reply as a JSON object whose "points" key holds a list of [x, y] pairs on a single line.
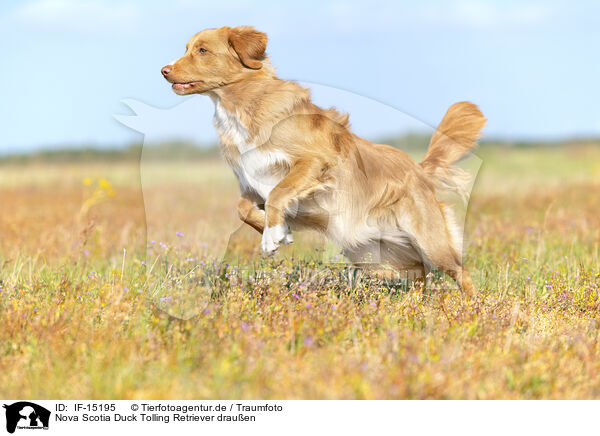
{"points": [[274, 236], [288, 238]]}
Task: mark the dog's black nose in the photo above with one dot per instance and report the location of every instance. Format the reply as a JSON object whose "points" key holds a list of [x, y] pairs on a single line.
{"points": [[166, 70]]}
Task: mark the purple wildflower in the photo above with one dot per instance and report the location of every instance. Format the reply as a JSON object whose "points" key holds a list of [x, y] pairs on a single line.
{"points": [[309, 341]]}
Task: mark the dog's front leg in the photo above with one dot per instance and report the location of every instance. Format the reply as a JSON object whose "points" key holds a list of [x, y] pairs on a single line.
{"points": [[250, 214], [300, 181], [255, 218]]}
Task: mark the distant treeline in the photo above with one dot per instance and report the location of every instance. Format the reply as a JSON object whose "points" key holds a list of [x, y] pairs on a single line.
{"points": [[180, 150], [414, 142], [162, 151]]}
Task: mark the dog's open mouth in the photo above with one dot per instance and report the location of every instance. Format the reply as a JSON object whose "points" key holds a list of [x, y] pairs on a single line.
{"points": [[184, 86]]}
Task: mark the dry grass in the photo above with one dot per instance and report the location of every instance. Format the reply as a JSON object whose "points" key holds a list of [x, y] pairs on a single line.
{"points": [[85, 298]]}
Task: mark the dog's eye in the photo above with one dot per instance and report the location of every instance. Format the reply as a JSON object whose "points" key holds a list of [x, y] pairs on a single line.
{"points": [[202, 50]]}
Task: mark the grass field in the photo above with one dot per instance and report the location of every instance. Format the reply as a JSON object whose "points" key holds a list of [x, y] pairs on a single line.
{"points": [[108, 294]]}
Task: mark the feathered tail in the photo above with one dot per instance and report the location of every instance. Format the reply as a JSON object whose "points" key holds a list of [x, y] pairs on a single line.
{"points": [[455, 136]]}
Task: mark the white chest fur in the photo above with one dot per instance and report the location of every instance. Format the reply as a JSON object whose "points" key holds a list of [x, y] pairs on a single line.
{"points": [[256, 169]]}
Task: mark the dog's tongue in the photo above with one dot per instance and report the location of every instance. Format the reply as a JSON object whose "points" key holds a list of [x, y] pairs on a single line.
{"points": [[181, 86]]}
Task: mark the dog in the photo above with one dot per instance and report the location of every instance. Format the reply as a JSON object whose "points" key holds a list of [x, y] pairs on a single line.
{"points": [[299, 166]]}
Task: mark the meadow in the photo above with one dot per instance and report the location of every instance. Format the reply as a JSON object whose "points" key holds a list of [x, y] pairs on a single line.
{"points": [[108, 294]]}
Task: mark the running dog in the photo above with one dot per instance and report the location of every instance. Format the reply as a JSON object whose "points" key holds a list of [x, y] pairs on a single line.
{"points": [[300, 166]]}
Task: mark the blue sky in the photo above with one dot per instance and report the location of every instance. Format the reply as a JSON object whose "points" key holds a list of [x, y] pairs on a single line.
{"points": [[532, 66]]}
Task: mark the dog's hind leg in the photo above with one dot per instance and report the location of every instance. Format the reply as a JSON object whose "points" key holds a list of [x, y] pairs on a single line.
{"points": [[432, 236], [416, 272], [405, 261], [440, 253], [400, 254]]}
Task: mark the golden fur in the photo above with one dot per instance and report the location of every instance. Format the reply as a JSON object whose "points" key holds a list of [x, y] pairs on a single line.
{"points": [[300, 166]]}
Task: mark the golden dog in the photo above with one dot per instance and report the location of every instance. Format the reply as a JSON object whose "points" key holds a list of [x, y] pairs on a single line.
{"points": [[300, 166]]}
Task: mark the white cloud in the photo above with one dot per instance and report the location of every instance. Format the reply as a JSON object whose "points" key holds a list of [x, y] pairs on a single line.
{"points": [[94, 16], [487, 14], [107, 17]]}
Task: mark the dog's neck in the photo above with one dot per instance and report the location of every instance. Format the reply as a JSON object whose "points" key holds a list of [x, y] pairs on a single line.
{"points": [[238, 92], [259, 103]]}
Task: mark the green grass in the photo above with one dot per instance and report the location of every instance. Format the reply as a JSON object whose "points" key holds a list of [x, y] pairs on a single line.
{"points": [[92, 308]]}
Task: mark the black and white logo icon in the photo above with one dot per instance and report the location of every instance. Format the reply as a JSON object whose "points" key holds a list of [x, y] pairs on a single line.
{"points": [[26, 415]]}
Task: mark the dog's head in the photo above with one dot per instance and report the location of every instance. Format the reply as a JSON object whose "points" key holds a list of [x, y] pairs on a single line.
{"points": [[217, 57]]}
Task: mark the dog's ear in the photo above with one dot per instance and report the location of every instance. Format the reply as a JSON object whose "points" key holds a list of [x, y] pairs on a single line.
{"points": [[249, 44]]}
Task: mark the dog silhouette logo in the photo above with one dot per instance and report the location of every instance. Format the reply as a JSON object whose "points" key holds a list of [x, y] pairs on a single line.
{"points": [[26, 415]]}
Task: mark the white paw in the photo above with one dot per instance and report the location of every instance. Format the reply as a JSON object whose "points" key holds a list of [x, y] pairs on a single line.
{"points": [[274, 236], [289, 238]]}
